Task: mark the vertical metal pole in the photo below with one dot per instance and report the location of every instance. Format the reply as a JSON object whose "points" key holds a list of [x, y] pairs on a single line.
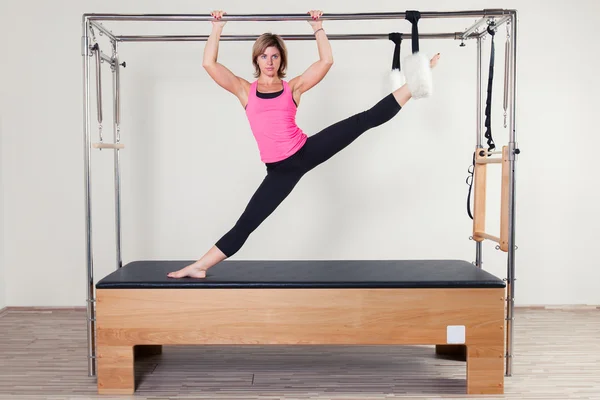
{"points": [[117, 158], [478, 245], [91, 311], [512, 198]]}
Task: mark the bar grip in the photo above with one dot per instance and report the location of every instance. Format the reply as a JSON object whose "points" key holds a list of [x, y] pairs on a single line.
{"points": [[108, 146]]}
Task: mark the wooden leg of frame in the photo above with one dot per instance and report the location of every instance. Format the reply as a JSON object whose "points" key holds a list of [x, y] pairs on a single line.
{"points": [[485, 370], [116, 370]]}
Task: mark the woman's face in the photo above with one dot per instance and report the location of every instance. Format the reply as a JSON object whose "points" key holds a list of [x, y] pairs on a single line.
{"points": [[269, 61]]}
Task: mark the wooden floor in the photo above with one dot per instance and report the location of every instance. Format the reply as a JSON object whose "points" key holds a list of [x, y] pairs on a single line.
{"points": [[43, 356]]}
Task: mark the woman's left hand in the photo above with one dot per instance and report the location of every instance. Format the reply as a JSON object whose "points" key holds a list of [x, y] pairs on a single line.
{"points": [[315, 15]]}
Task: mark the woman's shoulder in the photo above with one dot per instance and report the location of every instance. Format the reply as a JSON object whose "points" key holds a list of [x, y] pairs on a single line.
{"points": [[292, 83]]}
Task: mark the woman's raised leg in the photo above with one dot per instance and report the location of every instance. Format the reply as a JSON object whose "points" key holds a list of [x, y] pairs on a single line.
{"points": [[331, 140]]}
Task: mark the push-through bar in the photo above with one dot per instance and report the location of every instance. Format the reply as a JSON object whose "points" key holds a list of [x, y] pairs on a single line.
{"points": [[231, 38], [295, 17]]}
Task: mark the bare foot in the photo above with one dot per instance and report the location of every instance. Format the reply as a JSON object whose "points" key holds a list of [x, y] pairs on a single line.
{"points": [[193, 271], [434, 60]]}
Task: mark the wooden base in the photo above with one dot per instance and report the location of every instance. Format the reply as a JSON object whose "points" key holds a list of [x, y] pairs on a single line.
{"points": [[133, 317]]}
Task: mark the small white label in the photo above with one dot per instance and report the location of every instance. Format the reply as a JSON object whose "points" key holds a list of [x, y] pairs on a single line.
{"points": [[455, 334]]}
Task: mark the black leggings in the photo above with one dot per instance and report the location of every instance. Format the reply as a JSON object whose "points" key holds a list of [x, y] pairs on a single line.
{"points": [[282, 176]]}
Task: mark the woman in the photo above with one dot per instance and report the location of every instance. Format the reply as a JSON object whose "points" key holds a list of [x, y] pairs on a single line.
{"points": [[288, 153]]}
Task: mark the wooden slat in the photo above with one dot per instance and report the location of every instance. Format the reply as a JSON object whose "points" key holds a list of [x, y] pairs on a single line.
{"points": [[489, 160], [479, 196], [108, 146], [487, 236]]}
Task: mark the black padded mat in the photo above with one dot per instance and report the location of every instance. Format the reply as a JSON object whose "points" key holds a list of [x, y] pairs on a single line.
{"points": [[306, 274]]}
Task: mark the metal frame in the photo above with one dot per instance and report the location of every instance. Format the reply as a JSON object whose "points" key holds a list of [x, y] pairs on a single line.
{"points": [[92, 22]]}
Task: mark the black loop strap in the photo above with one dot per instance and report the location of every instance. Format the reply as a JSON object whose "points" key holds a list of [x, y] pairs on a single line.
{"points": [[488, 104], [414, 17], [397, 39], [470, 183]]}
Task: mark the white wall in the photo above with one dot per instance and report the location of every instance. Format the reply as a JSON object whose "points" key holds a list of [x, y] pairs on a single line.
{"points": [[191, 163]]}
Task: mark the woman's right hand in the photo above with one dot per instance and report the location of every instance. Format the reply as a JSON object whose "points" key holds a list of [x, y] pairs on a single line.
{"points": [[217, 15]]}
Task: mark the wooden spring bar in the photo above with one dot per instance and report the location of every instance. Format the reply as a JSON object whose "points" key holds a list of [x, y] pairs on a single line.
{"points": [[479, 201], [118, 146]]}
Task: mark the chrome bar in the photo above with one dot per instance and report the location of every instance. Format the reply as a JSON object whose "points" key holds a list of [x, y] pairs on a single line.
{"points": [[503, 21], [98, 86], [106, 58], [103, 30], [117, 153], [197, 38], [512, 196], [506, 78], [294, 17], [91, 312], [473, 28], [479, 245]]}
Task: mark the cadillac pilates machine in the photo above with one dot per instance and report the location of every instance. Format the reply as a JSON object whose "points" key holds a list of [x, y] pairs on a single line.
{"points": [[452, 304]]}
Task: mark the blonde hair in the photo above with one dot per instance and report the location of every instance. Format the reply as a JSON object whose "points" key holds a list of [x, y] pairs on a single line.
{"points": [[269, 40]]}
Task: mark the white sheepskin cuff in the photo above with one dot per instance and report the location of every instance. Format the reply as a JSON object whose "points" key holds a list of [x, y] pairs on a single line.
{"points": [[419, 79], [397, 79]]}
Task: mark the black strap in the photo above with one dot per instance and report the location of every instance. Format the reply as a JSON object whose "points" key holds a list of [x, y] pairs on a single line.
{"points": [[470, 183], [488, 119], [488, 104], [414, 17], [397, 39]]}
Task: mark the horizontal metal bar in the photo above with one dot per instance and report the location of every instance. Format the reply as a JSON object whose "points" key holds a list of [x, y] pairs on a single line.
{"points": [[197, 38], [294, 17]]}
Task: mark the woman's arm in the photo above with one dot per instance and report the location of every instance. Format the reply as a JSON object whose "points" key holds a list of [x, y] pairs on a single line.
{"points": [[223, 76], [317, 71]]}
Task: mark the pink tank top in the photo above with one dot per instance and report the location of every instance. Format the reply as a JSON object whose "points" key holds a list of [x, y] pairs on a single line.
{"points": [[273, 124]]}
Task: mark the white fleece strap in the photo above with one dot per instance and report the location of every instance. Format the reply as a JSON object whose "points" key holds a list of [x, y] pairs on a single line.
{"points": [[417, 70]]}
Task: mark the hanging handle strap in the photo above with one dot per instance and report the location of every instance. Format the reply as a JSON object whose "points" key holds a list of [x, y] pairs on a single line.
{"points": [[414, 17], [397, 39], [488, 103]]}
